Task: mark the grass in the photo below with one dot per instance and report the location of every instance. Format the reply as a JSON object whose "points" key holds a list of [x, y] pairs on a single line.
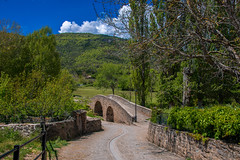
{"points": [[89, 92], [9, 138]]}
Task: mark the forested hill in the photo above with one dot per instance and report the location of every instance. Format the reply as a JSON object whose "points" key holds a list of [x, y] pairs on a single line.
{"points": [[85, 52]]}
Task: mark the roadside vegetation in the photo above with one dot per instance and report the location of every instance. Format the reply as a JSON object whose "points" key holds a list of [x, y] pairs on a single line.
{"points": [[32, 82], [9, 138]]}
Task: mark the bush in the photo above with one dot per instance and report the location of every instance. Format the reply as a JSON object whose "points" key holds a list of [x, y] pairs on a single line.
{"points": [[219, 122], [36, 95]]}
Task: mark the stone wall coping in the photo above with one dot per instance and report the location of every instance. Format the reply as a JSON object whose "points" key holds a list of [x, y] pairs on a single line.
{"points": [[93, 119], [19, 124], [131, 102], [33, 124], [71, 120]]}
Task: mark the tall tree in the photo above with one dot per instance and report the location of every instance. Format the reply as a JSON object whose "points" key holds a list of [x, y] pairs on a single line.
{"points": [[203, 29], [139, 54]]}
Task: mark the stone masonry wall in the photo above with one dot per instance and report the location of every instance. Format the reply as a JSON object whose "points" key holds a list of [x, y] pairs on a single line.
{"points": [[120, 114], [93, 125], [185, 145], [67, 130], [25, 129], [143, 110]]}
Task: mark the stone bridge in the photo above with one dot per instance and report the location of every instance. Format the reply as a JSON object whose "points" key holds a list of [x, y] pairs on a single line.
{"points": [[117, 109]]}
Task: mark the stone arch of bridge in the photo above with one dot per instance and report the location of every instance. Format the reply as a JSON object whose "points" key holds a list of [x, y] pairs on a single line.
{"points": [[98, 109], [110, 109], [110, 114]]}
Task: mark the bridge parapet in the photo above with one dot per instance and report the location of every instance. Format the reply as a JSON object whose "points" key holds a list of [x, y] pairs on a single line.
{"points": [[110, 110], [143, 110]]}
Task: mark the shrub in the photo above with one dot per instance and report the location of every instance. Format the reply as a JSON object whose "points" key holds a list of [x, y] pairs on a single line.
{"points": [[219, 122], [36, 95]]}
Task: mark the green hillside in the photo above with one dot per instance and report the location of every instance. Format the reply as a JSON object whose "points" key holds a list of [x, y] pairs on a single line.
{"points": [[83, 53]]}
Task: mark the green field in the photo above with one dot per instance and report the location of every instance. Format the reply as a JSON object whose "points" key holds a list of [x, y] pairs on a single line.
{"points": [[89, 92]]}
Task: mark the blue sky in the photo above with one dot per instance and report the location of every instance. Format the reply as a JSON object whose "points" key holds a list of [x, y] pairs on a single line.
{"points": [[71, 15]]}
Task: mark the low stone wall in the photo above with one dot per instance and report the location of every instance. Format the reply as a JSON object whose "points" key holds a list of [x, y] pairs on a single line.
{"points": [[93, 125], [67, 130], [185, 145], [25, 129], [141, 109]]}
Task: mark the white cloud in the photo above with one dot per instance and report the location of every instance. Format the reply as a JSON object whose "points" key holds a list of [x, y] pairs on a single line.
{"points": [[69, 27], [99, 27], [95, 27], [120, 24]]}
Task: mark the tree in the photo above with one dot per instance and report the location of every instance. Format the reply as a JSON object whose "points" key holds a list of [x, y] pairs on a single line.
{"points": [[199, 36], [36, 51], [9, 26], [203, 32], [42, 46], [13, 53], [139, 53], [207, 30], [108, 76]]}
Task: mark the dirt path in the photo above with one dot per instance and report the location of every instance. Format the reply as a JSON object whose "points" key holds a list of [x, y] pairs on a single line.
{"points": [[116, 142]]}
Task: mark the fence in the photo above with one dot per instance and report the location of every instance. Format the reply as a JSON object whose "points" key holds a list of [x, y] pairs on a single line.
{"points": [[16, 149]]}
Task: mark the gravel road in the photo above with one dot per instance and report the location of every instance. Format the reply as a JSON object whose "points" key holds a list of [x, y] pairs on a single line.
{"points": [[116, 142]]}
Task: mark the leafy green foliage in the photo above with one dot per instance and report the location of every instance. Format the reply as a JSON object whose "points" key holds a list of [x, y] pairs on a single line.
{"points": [[219, 122], [155, 114], [14, 55], [207, 86], [42, 46], [108, 76], [37, 51], [210, 87], [34, 96], [90, 60], [170, 90], [31, 82]]}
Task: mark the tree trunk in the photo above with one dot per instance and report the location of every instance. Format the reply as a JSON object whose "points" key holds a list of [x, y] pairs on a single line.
{"points": [[112, 90], [186, 87]]}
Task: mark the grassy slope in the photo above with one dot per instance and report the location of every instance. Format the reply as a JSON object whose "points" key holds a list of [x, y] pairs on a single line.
{"points": [[77, 43], [84, 52]]}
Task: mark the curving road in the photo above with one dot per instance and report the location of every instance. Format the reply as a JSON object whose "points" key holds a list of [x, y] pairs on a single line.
{"points": [[116, 142]]}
